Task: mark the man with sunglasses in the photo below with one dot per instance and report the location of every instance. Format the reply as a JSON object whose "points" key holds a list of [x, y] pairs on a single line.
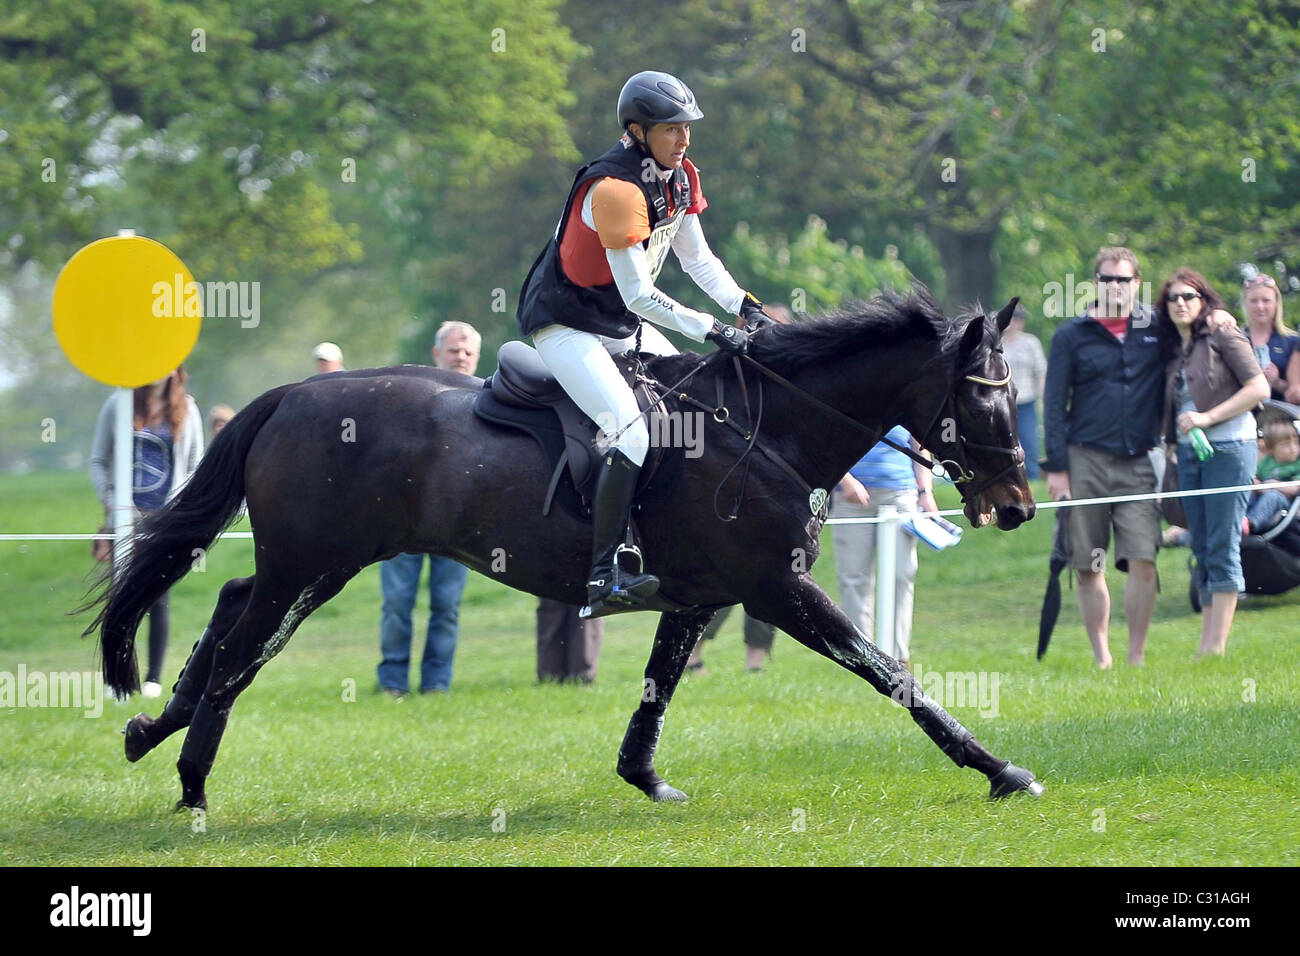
{"points": [[1101, 416]]}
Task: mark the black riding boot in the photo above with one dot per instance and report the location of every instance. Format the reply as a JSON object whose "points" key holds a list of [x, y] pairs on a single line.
{"points": [[609, 586]]}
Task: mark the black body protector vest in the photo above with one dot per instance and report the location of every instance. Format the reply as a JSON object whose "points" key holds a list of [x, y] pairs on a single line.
{"points": [[549, 297]]}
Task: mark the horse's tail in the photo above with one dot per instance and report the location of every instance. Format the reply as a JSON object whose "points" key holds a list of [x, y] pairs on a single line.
{"points": [[163, 547]]}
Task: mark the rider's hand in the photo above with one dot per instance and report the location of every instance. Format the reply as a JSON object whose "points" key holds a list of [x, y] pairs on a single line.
{"points": [[728, 338], [752, 316], [1058, 485]]}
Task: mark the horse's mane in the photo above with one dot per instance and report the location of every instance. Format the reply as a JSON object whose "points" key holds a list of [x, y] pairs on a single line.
{"points": [[886, 319]]}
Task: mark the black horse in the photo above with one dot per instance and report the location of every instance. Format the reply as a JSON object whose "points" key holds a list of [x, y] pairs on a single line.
{"points": [[347, 469]]}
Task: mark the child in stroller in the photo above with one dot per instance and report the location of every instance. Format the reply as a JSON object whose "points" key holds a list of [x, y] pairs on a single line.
{"points": [[1270, 554], [1280, 461]]}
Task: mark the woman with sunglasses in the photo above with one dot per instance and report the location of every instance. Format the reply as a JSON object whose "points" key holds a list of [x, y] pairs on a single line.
{"points": [[1274, 343], [1212, 382]]}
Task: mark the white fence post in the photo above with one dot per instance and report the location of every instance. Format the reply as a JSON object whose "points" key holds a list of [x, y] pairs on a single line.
{"points": [[886, 563]]}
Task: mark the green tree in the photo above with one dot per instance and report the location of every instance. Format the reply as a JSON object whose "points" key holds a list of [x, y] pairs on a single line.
{"points": [[278, 145], [811, 271], [233, 118]]}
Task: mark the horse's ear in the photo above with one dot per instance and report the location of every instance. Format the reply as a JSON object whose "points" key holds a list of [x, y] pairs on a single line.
{"points": [[972, 338], [1008, 310]]}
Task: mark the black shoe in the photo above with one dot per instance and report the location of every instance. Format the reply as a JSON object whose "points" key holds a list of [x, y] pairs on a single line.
{"points": [[610, 586]]}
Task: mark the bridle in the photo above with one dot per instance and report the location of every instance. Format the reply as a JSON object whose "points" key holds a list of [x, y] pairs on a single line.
{"points": [[964, 475], [957, 469]]}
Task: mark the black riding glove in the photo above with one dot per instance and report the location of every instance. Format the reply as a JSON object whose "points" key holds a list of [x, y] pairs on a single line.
{"points": [[751, 311], [728, 338]]}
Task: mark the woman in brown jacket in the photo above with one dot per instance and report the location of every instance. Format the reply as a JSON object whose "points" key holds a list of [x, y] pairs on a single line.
{"points": [[1212, 382]]}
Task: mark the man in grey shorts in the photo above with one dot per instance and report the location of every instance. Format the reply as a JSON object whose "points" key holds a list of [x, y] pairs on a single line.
{"points": [[1101, 408]]}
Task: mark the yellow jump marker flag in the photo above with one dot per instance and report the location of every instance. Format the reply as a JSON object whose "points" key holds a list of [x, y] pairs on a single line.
{"points": [[126, 310]]}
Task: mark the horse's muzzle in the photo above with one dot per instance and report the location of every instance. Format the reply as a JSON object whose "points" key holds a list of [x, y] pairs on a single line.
{"points": [[1011, 516]]}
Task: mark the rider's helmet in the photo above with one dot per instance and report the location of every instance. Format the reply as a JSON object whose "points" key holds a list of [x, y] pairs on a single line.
{"points": [[652, 97]]}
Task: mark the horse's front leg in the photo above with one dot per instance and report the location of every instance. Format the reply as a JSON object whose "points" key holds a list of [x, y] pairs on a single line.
{"points": [[807, 614], [674, 638]]}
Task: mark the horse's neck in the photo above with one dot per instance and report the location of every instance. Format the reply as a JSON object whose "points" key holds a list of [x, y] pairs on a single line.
{"points": [[871, 389]]}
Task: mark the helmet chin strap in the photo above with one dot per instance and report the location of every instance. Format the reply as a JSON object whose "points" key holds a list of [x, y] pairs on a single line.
{"points": [[663, 172]]}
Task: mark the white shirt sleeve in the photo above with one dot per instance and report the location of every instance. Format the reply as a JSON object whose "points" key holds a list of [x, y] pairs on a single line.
{"points": [[632, 276], [704, 267]]}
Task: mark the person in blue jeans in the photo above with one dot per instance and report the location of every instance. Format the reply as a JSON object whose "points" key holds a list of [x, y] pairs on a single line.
{"points": [[456, 349], [399, 578], [1212, 381]]}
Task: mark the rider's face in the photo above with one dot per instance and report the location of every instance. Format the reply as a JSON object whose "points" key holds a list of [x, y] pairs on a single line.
{"points": [[668, 143]]}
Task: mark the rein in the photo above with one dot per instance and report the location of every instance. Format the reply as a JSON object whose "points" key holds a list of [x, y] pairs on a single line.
{"points": [[963, 474], [959, 473]]}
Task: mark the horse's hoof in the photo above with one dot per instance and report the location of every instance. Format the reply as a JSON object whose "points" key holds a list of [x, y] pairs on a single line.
{"points": [[193, 804], [137, 740], [662, 792], [1012, 779]]}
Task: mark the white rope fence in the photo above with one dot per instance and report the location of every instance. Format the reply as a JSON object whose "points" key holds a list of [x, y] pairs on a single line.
{"points": [[878, 519], [1080, 502], [885, 552]]}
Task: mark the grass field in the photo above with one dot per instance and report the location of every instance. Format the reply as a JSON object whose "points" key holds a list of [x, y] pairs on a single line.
{"points": [[1182, 762]]}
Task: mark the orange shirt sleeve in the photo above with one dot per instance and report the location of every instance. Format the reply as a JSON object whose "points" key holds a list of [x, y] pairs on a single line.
{"points": [[618, 209]]}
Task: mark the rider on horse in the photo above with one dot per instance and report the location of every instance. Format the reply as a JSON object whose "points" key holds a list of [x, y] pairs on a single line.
{"points": [[586, 296]]}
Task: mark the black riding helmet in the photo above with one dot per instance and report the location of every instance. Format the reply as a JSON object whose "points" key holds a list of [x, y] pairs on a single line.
{"points": [[652, 97]]}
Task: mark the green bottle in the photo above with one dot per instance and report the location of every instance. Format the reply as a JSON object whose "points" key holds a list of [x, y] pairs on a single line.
{"points": [[1200, 444]]}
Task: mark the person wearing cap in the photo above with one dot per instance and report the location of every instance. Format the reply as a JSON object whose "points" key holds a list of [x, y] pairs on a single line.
{"points": [[329, 358], [592, 290]]}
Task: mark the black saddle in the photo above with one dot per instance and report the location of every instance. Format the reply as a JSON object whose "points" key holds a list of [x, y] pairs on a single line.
{"points": [[523, 394]]}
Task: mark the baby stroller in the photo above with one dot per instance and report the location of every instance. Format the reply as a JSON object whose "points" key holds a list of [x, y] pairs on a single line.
{"points": [[1270, 562]]}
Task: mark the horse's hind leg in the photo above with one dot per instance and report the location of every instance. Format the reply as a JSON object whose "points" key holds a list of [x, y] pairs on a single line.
{"points": [[273, 614], [810, 617], [144, 733], [674, 638]]}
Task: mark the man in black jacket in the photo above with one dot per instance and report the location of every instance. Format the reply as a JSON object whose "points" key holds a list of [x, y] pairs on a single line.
{"points": [[1101, 406]]}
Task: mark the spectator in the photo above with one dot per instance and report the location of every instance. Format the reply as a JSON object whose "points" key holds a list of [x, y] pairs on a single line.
{"points": [[1281, 463], [884, 476], [1273, 342], [167, 445], [1024, 354], [1211, 383], [219, 417], [1101, 416], [329, 358], [456, 347], [567, 645]]}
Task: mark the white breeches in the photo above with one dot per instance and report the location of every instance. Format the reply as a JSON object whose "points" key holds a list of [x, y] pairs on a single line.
{"points": [[583, 364]]}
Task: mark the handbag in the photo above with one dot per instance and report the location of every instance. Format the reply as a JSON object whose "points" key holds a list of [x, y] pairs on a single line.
{"points": [[1171, 509]]}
